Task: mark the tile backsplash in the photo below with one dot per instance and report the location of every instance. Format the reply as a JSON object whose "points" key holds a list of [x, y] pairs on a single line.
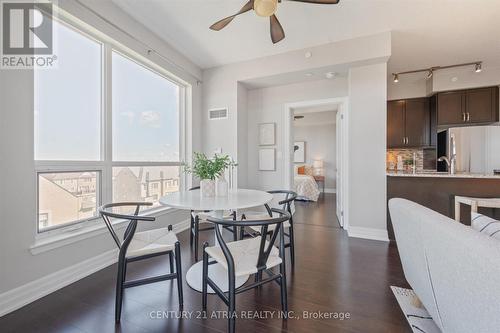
{"points": [[406, 154]]}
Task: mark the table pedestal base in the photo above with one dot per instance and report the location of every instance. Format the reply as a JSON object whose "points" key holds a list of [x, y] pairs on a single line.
{"points": [[217, 274]]}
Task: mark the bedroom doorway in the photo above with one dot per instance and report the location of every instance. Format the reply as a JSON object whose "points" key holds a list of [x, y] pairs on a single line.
{"points": [[315, 139]]}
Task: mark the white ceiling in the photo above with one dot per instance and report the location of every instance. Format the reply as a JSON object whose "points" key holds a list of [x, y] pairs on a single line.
{"points": [[296, 77], [425, 32]]}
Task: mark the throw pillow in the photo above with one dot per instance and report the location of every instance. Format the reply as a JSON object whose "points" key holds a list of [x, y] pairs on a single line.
{"points": [[486, 225]]}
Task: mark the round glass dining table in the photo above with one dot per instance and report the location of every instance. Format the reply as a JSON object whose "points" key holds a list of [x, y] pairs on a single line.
{"points": [[193, 200]]}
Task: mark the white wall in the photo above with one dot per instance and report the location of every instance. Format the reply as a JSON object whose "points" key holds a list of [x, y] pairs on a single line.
{"points": [[409, 86], [18, 213], [220, 83], [320, 144], [465, 78], [220, 89], [367, 147], [242, 128], [267, 105]]}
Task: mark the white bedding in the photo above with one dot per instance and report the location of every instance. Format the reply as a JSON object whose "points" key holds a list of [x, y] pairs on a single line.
{"points": [[306, 187]]}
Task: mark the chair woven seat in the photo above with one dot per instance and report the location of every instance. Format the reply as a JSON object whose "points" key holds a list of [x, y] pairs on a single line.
{"points": [[151, 241], [249, 216], [245, 254], [203, 216]]}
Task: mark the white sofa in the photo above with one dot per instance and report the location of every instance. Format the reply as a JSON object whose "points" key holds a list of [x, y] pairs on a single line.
{"points": [[454, 270]]}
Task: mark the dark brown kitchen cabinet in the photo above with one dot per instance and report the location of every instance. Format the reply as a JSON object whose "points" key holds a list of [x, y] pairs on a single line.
{"points": [[481, 105], [408, 123], [451, 107], [468, 107], [417, 122], [395, 124]]}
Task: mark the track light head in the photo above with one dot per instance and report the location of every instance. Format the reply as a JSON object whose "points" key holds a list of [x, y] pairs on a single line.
{"points": [[478, 68], [395, 78]]}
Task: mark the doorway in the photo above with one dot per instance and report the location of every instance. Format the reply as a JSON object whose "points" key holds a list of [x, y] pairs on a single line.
{"points": [[341, 146]]}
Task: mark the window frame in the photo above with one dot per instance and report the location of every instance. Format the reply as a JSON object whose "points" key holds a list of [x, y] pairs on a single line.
{"points": [[104, 166]]}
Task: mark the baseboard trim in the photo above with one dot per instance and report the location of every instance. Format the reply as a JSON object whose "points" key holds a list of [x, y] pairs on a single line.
{"points": [[30, 292], [330, 190], [23, 295], [368, 233]]}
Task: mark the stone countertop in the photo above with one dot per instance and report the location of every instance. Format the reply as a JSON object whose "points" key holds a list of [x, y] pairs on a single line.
{"points": [[436, 174]]}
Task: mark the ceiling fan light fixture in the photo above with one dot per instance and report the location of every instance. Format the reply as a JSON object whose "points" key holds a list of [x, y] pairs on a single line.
{"points": [[395, 78], [265, 8]]}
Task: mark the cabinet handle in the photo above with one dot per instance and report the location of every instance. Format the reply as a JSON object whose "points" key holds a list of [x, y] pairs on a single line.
{"points": [[404, 140], [468, 116], [407, 140], [464, 119]]}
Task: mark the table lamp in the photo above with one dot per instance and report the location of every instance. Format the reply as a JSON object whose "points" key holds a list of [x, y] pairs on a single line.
{"points": [[318, 167]]}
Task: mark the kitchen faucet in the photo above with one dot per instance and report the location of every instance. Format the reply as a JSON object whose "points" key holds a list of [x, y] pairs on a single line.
{"points": [[451, 162]]}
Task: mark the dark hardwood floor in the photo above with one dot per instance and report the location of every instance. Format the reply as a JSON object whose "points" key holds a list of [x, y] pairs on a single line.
{"points": [[333, 273]]}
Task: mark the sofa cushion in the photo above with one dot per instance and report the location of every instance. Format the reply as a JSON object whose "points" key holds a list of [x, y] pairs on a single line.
{"points": [[461, 264], [485, 225]]}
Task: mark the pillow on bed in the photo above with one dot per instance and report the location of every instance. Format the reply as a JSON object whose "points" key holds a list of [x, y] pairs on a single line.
{"points": [[301, 170], [309, 170]]}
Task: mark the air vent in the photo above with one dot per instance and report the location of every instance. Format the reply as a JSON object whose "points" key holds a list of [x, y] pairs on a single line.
{"points": [[217, 114]]}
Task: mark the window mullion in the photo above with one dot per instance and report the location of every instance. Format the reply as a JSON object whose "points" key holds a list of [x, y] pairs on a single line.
{"points": [[144, 164], [107, 181]]}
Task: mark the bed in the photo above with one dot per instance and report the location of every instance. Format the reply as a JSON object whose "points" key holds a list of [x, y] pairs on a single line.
{"points": [[306, 188]]}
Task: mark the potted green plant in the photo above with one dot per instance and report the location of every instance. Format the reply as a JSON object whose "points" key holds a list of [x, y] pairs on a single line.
{"points": [[408, 163], [208, 171]]}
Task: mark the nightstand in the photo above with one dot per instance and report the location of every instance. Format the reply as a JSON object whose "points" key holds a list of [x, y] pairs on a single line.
{"points": [[320, 179]]}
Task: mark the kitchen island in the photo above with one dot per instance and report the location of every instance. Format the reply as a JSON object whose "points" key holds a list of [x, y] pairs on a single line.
{"points": [[437, 191]]}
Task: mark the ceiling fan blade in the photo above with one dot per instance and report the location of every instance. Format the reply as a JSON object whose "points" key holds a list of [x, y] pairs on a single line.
{"points": [[277, 33], [321, 2], [225, 21]]}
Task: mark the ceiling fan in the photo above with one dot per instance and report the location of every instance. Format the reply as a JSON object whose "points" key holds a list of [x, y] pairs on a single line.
{"points": [[267, 8]]}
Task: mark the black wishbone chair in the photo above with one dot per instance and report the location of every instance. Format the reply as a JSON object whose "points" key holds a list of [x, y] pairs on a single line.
{"points": [[285, 204], [201, 217], [246, 257], [139, 246]]}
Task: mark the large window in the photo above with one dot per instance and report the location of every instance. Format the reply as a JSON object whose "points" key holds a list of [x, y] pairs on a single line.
{"points": [[145, 114], [107, 128], [68, 100]]}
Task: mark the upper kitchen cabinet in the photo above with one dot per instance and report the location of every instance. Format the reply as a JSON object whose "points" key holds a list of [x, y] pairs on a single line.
{"points": [[396, 124], [481, 105], [417, 123], [408, 123], [451, 107], [467, 107]]}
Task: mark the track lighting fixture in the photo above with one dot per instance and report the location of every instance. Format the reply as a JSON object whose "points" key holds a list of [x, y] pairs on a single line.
{"points": [[430, 71]]}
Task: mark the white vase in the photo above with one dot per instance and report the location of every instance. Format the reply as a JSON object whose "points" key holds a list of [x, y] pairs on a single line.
{"points": [[207, 188], [221, 186]]}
